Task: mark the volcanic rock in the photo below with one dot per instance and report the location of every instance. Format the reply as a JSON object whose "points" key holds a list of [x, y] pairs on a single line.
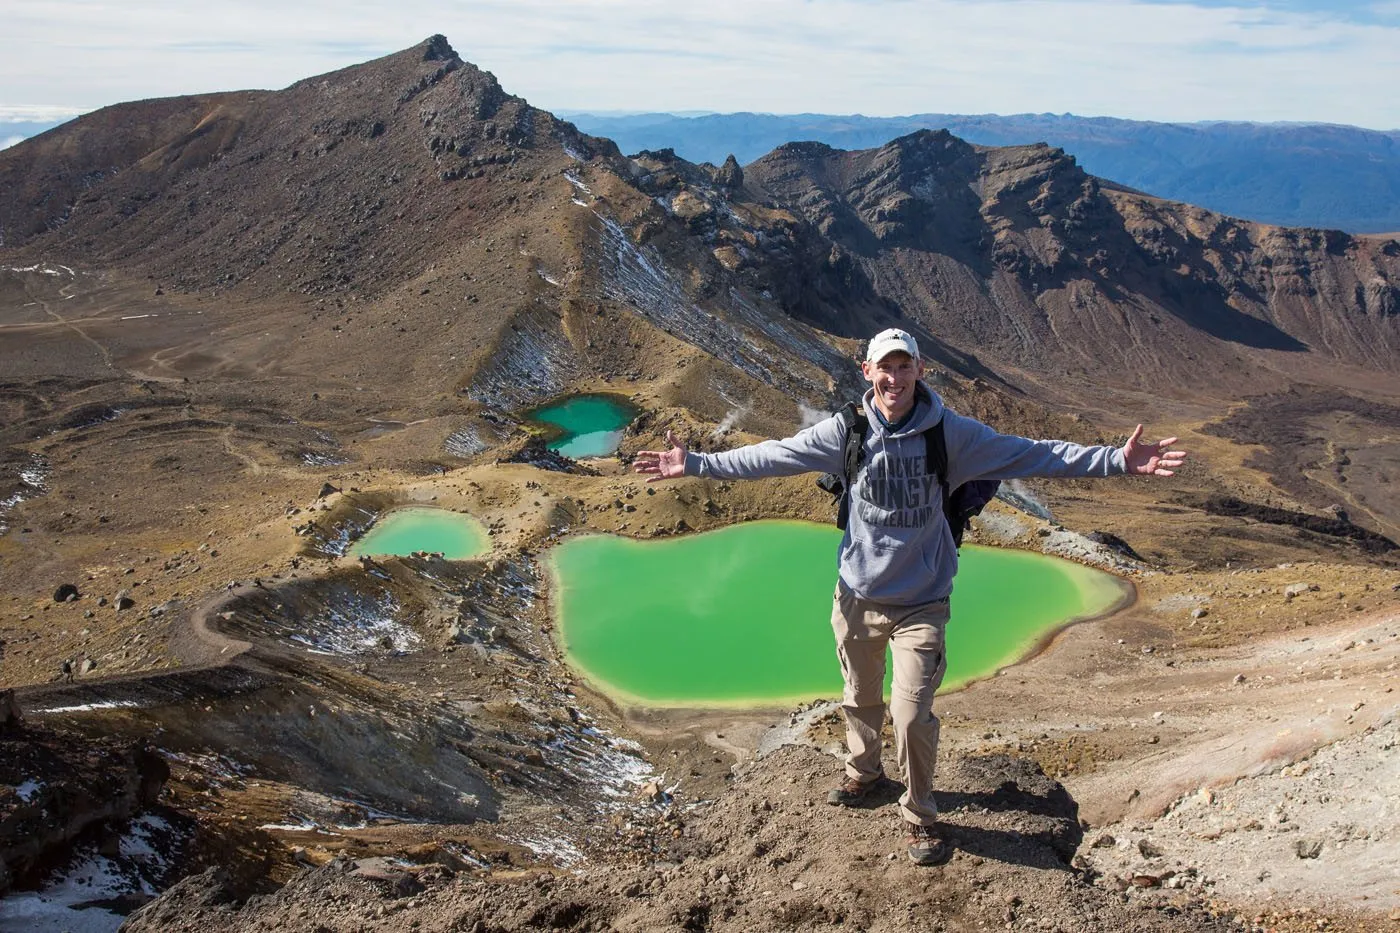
{"points": [[10, 716], [62, 784]]}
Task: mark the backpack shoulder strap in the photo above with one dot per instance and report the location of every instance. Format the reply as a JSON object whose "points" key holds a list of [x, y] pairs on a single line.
{"points": [[857, 425], [936, 452]]}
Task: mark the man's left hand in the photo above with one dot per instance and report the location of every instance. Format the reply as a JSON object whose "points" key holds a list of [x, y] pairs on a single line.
{"points": [[1151, 459]]}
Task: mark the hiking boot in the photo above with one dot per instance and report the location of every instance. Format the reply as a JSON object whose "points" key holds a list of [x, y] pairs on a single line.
{"points": [[926, 845], [853, 791]]}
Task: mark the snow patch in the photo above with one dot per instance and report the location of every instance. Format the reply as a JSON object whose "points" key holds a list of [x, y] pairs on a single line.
{"points": [[638, 277], [313, 458], [304, 827], [42, 268], [76, 898], [88, 707], [351, 625], [337, 542], [535, 364], [465, 443], [556, 848]]}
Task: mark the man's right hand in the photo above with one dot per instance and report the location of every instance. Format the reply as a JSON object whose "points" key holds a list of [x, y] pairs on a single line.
{"points": [[664, 464]]}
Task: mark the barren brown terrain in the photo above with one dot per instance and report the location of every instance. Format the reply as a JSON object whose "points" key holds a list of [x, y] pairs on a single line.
{"points": [[236, 329]]}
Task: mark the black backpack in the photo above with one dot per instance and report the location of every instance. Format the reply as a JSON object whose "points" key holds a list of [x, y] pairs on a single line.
{"points": [[959, 506]]}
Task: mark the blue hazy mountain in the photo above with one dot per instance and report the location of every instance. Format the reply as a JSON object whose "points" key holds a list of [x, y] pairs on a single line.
{"points": [[1307, 175]]}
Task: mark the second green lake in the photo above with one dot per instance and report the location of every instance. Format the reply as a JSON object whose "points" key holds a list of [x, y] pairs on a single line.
{"points": [[404, 531]]}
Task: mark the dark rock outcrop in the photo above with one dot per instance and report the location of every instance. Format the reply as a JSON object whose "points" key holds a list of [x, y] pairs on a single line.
{"points": [[10, 717], [56, 786], [729, 175], [1366, 540]]}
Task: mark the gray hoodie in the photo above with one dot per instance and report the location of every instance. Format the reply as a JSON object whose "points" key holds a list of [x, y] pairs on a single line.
{"points": [[897, 548]]}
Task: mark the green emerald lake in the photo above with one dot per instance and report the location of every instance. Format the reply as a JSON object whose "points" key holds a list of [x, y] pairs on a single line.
{"points": [[403, 531], [741, 616], [591, 425]]}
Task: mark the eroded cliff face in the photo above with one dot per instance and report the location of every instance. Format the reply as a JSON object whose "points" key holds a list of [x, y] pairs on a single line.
{"points": [[1018, 255], [61, 787]]}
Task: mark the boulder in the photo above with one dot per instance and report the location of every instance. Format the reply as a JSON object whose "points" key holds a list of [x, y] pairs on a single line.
{"points": [[66, 592], [1114, 543], [1307, 848], [123, 600], [10, 716], [380, 871]]}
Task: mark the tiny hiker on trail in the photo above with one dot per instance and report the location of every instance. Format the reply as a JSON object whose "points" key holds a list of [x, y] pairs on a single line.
{"points": [[898, 555]]}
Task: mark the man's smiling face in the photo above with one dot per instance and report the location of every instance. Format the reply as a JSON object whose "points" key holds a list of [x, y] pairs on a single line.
{"points": [[894, 376]]}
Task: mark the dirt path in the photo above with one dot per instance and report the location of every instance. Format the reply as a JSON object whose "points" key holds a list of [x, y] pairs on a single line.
{"points": [[203, 651], [83, 335]]}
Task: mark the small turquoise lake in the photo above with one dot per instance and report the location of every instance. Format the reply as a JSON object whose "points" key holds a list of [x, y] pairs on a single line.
{"points": [[404, 531], [589, 425], [741, 616]]}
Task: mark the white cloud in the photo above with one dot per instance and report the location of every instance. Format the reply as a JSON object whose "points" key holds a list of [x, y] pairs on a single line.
{"points": [[37, 113], [8, 141], [1130, 58]]}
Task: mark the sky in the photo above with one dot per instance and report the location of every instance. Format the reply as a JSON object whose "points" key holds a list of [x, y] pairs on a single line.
{"points": [[1168, 60]]}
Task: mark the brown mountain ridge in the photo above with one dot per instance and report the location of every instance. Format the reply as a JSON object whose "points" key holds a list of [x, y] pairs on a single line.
{"points": [[359, 181]]}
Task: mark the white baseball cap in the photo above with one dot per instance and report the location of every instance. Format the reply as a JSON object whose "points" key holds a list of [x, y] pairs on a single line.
{"points": [[889, 341]]}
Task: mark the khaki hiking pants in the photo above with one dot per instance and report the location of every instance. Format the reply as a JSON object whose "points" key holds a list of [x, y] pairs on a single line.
{"points": [[915, 637]]}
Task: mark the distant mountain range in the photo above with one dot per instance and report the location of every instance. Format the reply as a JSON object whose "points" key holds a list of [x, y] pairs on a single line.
{"points": [[401, 180], [1293, 174], [1300, 175]]}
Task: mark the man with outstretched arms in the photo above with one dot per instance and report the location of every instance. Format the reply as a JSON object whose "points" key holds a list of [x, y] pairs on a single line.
{"points": [[898, 557]]}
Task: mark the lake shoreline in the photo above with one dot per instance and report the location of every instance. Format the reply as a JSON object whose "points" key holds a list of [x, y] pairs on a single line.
{"points": [[1091, 583]]}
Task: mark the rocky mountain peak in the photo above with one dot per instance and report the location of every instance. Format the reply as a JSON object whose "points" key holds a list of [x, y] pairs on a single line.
{"points": [[436, 48], [730, 175], [375, 152], [806, 150], [926, 140]]}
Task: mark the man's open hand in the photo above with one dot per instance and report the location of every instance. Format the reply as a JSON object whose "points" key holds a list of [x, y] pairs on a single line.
{"points": [[1151, 459], [663, 464]]}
